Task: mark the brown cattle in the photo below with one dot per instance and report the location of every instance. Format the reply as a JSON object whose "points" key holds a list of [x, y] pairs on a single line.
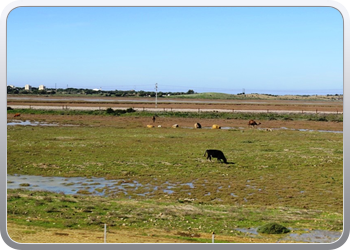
{"points": [[253, 123], [215, 126], [17, 114], [197, 125]]}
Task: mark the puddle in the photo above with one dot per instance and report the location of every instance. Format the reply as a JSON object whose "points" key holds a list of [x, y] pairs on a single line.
{"points": [[33, 123], [264, 129], [82, 185], [325, 131], [310, 236], [30, 123]]}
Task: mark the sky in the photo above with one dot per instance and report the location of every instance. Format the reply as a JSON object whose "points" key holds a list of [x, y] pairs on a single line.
{"points": [[272, 50]]}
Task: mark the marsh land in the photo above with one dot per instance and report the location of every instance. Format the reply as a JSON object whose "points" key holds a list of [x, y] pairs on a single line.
{"points": [[288, 169]]}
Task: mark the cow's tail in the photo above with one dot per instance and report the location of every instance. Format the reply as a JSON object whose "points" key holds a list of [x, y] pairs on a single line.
{"points": [[206, 152]]}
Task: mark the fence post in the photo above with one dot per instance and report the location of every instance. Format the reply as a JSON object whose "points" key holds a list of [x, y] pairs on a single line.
{"points": [[212, 237], [105, 234]]}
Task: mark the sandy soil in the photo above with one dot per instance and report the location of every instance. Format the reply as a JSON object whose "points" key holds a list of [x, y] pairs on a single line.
{"points": [[26, 234], [104, 102]]}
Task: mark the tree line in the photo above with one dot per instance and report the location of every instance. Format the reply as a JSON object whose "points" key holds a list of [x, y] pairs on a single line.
{"points": [[82, 91]]}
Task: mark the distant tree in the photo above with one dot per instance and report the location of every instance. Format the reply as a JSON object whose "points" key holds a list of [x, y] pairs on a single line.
{"points": [[141, 93], [189, 92]]}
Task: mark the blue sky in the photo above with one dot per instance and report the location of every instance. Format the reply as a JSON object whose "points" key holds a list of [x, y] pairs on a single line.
{"points": [[277, 50]]}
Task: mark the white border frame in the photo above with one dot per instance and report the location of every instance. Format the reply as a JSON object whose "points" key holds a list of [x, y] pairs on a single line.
{"points": [[170, 3]]}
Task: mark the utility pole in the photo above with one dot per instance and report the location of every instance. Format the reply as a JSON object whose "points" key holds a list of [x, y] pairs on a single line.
{"points": [[156, 93]]}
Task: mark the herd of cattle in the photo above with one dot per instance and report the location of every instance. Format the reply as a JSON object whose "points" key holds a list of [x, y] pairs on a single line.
{"points": [[251, 123], [209, 153]]}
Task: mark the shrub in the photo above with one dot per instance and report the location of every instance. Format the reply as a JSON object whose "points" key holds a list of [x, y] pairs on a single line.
{"points": [[109, 111], [273, 228]]}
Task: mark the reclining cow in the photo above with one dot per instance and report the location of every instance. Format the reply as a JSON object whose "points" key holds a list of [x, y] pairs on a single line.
{"points": [[253, 123], [197, 125]]}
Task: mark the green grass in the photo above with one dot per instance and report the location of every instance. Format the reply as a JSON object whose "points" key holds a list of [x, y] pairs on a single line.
{"points": [[64, 211], [279, 177]]}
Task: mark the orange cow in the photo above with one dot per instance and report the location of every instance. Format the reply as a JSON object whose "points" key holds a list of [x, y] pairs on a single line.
{"points": [[253, 123]]}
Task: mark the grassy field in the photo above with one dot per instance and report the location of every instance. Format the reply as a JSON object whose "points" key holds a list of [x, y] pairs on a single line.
{"points": [[281, 176]]}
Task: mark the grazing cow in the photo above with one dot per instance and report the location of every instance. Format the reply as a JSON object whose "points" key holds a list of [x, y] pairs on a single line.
{"points": [[268, 129], [175, 126], [216, 127], [17, 114], [153, 118], [219, 155], [253, 123], [197, 125]]}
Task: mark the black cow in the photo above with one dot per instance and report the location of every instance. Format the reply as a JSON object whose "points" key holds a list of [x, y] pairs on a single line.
{"points": [[215, 154]]}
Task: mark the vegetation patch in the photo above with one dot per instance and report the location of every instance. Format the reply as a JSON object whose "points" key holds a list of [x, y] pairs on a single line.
{"points": [[280, 176], [273, 228]]}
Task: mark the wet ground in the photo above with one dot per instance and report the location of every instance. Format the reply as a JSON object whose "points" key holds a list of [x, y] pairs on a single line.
{"points": [[310, 236], [37, 123], [82, 185], [101, 186]]}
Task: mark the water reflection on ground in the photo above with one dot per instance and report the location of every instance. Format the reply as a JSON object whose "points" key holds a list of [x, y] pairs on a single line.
{"points": [[34, 123], [104, 187], [82, 185], [310, 236]]}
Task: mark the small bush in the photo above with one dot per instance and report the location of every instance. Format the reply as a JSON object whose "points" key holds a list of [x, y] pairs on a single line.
{"points": [[273, 228], [109, 111], [322, 119]]}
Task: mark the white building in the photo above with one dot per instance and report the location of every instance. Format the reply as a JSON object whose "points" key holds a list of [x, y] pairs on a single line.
{"points": [[28, 87], [42, 87]]}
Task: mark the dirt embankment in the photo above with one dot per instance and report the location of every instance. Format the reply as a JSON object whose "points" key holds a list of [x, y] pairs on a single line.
{"points": [[246, 104]]}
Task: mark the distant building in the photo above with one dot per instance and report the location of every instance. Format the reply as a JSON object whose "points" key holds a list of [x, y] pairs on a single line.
{"points": [[28, 87], [11, 86], [42, 87]]}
